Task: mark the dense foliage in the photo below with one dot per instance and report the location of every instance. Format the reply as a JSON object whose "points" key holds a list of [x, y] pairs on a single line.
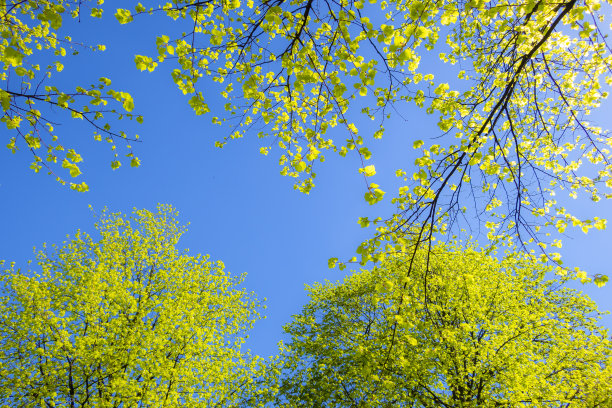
{"points": [[125, 320], [482, 332]]}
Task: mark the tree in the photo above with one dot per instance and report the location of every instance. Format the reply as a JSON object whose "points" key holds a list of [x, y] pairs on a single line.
{"points": [[125, 320], [482, 332], [31, 52], [514, 124]]}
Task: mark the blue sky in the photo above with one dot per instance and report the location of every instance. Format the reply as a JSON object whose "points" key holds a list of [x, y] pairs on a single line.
{"points": [[239, 208]]}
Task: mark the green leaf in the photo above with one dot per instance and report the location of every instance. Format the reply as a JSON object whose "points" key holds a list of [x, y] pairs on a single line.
{"points": [[331, 263], [124, 16], [52, 17], [600, 280], [368, 171], [363, 221], [12, 57], [198, 105], [5, 100]]}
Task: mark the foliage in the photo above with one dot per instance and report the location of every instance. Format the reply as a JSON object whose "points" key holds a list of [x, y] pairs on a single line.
{"points": [[515, 121], [126, 320], [31, 54], [481, 332]]}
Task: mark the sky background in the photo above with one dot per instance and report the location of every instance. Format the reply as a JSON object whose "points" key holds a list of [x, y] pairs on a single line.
{"points": [[240, 209]]}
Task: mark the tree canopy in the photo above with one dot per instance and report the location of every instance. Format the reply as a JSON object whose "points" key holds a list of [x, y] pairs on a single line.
{"points": [[514, 123], [511, 93], [125, 319], [483, 332]]}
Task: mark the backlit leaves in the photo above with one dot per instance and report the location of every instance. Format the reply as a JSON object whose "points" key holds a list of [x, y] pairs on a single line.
{"points": [[125, 318], [515, 120], [32, 106]]}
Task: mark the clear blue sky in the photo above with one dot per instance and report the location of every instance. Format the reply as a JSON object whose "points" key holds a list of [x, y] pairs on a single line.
{"points": [[239, 208]]}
